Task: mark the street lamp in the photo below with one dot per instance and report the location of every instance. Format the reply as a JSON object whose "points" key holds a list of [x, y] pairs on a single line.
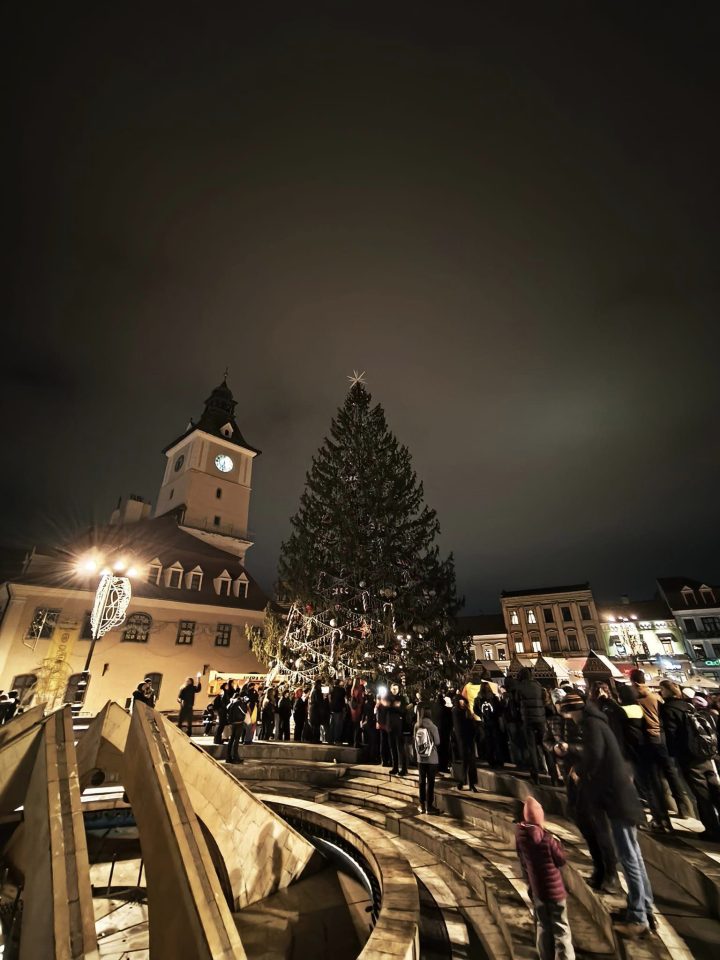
{"points": [[111, 598]]}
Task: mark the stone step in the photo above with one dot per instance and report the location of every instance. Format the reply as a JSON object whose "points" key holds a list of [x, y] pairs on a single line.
{"points": [[376, 801]]}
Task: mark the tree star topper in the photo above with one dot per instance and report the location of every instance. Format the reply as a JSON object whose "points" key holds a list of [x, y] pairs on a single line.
{"points": [[356, 378]]}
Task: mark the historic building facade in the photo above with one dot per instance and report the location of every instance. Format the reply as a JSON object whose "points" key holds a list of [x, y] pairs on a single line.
{"points": [[192, 596], [644, 633], [696, 608], [558, 621]]}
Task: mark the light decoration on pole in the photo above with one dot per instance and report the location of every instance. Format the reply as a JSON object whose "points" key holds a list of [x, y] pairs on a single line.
{"points": [[111, 602]]}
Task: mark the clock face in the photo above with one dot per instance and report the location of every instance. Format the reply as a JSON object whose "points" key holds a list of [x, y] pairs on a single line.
{"points": [[223, 463], [179, 462]]}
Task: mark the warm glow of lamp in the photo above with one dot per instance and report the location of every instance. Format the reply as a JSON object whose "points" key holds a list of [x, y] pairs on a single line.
{"points": [[132, 572], [119, 566]]}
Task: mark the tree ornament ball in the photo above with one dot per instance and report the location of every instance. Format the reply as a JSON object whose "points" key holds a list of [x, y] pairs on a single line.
{"points": [[333, 622]]}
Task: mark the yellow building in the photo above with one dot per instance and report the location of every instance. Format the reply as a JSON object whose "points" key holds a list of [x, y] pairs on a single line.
{"points": [[559, 621], [191, 594]]}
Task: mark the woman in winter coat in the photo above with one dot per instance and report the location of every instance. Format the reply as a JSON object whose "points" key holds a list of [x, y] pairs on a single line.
{"points": [[699, 772], [316, 711], [426, 739]]}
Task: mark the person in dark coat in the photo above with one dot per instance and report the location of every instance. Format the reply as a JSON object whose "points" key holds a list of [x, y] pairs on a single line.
{"points": [[299, 716], [381, 725], [337, 711], [529, 695], [699, 772], [220, 705], [141, 694], [285, 708], [316, 712], [464, 730], [541, 857], [235, 714], [396, 718], [186, 699], [356, 700], [606, 775], [368, 726]]}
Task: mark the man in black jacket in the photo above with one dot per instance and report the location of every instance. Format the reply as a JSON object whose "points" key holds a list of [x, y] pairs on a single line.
{"points": [[529, 696], [236, 711], [337, 710], [603, 771], [464, 730], [186, 699]]}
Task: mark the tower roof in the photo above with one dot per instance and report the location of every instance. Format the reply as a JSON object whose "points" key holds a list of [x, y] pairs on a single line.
{"points": [[218, 414]]}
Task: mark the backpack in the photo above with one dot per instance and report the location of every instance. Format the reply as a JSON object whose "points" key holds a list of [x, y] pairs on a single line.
{"points": [[423, 742], [701, 736]]}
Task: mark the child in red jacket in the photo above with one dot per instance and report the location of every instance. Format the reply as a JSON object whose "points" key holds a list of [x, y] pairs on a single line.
{"points": [[541, 856]]}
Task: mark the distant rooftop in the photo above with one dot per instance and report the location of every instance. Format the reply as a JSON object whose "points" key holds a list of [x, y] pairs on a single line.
{"points": [[540, 591]]}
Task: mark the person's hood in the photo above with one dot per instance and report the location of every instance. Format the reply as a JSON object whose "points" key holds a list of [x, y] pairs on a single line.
{"points": [[533, 831], [675, 703]]}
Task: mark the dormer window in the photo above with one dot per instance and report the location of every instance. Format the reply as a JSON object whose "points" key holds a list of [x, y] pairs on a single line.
{"points": [[222, 584], [194, 579], [154, 570], [240, 586], [514, 619], [227, 430], [174, 576], [688, 594], [708, 597]]}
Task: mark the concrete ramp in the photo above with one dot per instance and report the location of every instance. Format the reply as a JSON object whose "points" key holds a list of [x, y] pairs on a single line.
{"points": [[100, 749], [189, 918], [50, 851], [19, 724], [262, 854]]}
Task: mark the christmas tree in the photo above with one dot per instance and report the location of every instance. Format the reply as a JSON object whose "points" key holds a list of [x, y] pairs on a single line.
{"points": [[361, 573]]}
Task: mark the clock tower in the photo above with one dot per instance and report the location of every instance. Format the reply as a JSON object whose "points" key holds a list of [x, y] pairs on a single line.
{"points": [[207, 479]]}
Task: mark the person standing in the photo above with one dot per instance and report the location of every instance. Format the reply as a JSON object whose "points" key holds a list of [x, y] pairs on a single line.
{"points": [[464, 729], [541, 857], [531, 701], [140, 694], [444, 716], [186, 699], [236, 712], [602, 769], [299, 715], [337, 711], [368, 725], [381, 724], [285, 708], [220, 705], [426, 738], [252, 701], [396, 707], [357, 703], [694, 754]]}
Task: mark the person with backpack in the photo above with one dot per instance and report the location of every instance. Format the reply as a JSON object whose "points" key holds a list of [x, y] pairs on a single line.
{"points": [[396, 710], [487, 708], [691, 739], [426, 739]]}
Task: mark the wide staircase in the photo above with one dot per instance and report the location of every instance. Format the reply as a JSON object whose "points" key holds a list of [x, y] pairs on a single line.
{"points": [[472, 898]]}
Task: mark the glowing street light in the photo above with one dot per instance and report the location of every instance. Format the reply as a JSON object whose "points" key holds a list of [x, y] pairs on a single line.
{"points": [[112, 598]]}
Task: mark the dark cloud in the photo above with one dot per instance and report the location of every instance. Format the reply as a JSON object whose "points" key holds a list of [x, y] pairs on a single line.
{"points": [[507, 216]]}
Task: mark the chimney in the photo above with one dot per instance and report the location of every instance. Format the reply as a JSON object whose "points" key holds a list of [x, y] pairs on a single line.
{"points": [[625, 600], [131, 510]]}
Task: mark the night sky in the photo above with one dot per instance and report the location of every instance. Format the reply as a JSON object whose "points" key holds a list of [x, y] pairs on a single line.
{"points": [[508, 217]]}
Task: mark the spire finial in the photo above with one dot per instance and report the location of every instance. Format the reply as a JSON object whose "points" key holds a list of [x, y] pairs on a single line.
{"points": [[226, 374]]}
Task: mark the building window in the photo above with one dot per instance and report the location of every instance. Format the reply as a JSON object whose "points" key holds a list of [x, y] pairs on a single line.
{"points": [[43, 623], [585, 612], [716, 649], [216, 521], [222, 637], [76, 689], [667, 647], [24, 683], [536, 646], [154, 571], [137, 628], [186, 631], [218, 493], [86, 629], [194, 579], [531, 618], [711, 625], [155, 681], [688, 594], [502, 653], [514, 618], [173, 576], [688, 623], [488, 653], [554, 642], [591, 637], [548, 615], [698, 651], [240, 586], [519, 646], [708, 597], [222, 584], [566, 614], [572, 642]]}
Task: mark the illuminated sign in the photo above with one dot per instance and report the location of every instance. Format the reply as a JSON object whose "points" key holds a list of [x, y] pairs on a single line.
{"points": [[712, 663]]}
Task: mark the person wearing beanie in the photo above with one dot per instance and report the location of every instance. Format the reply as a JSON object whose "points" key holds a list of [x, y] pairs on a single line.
{"points": [[541, 857]]}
